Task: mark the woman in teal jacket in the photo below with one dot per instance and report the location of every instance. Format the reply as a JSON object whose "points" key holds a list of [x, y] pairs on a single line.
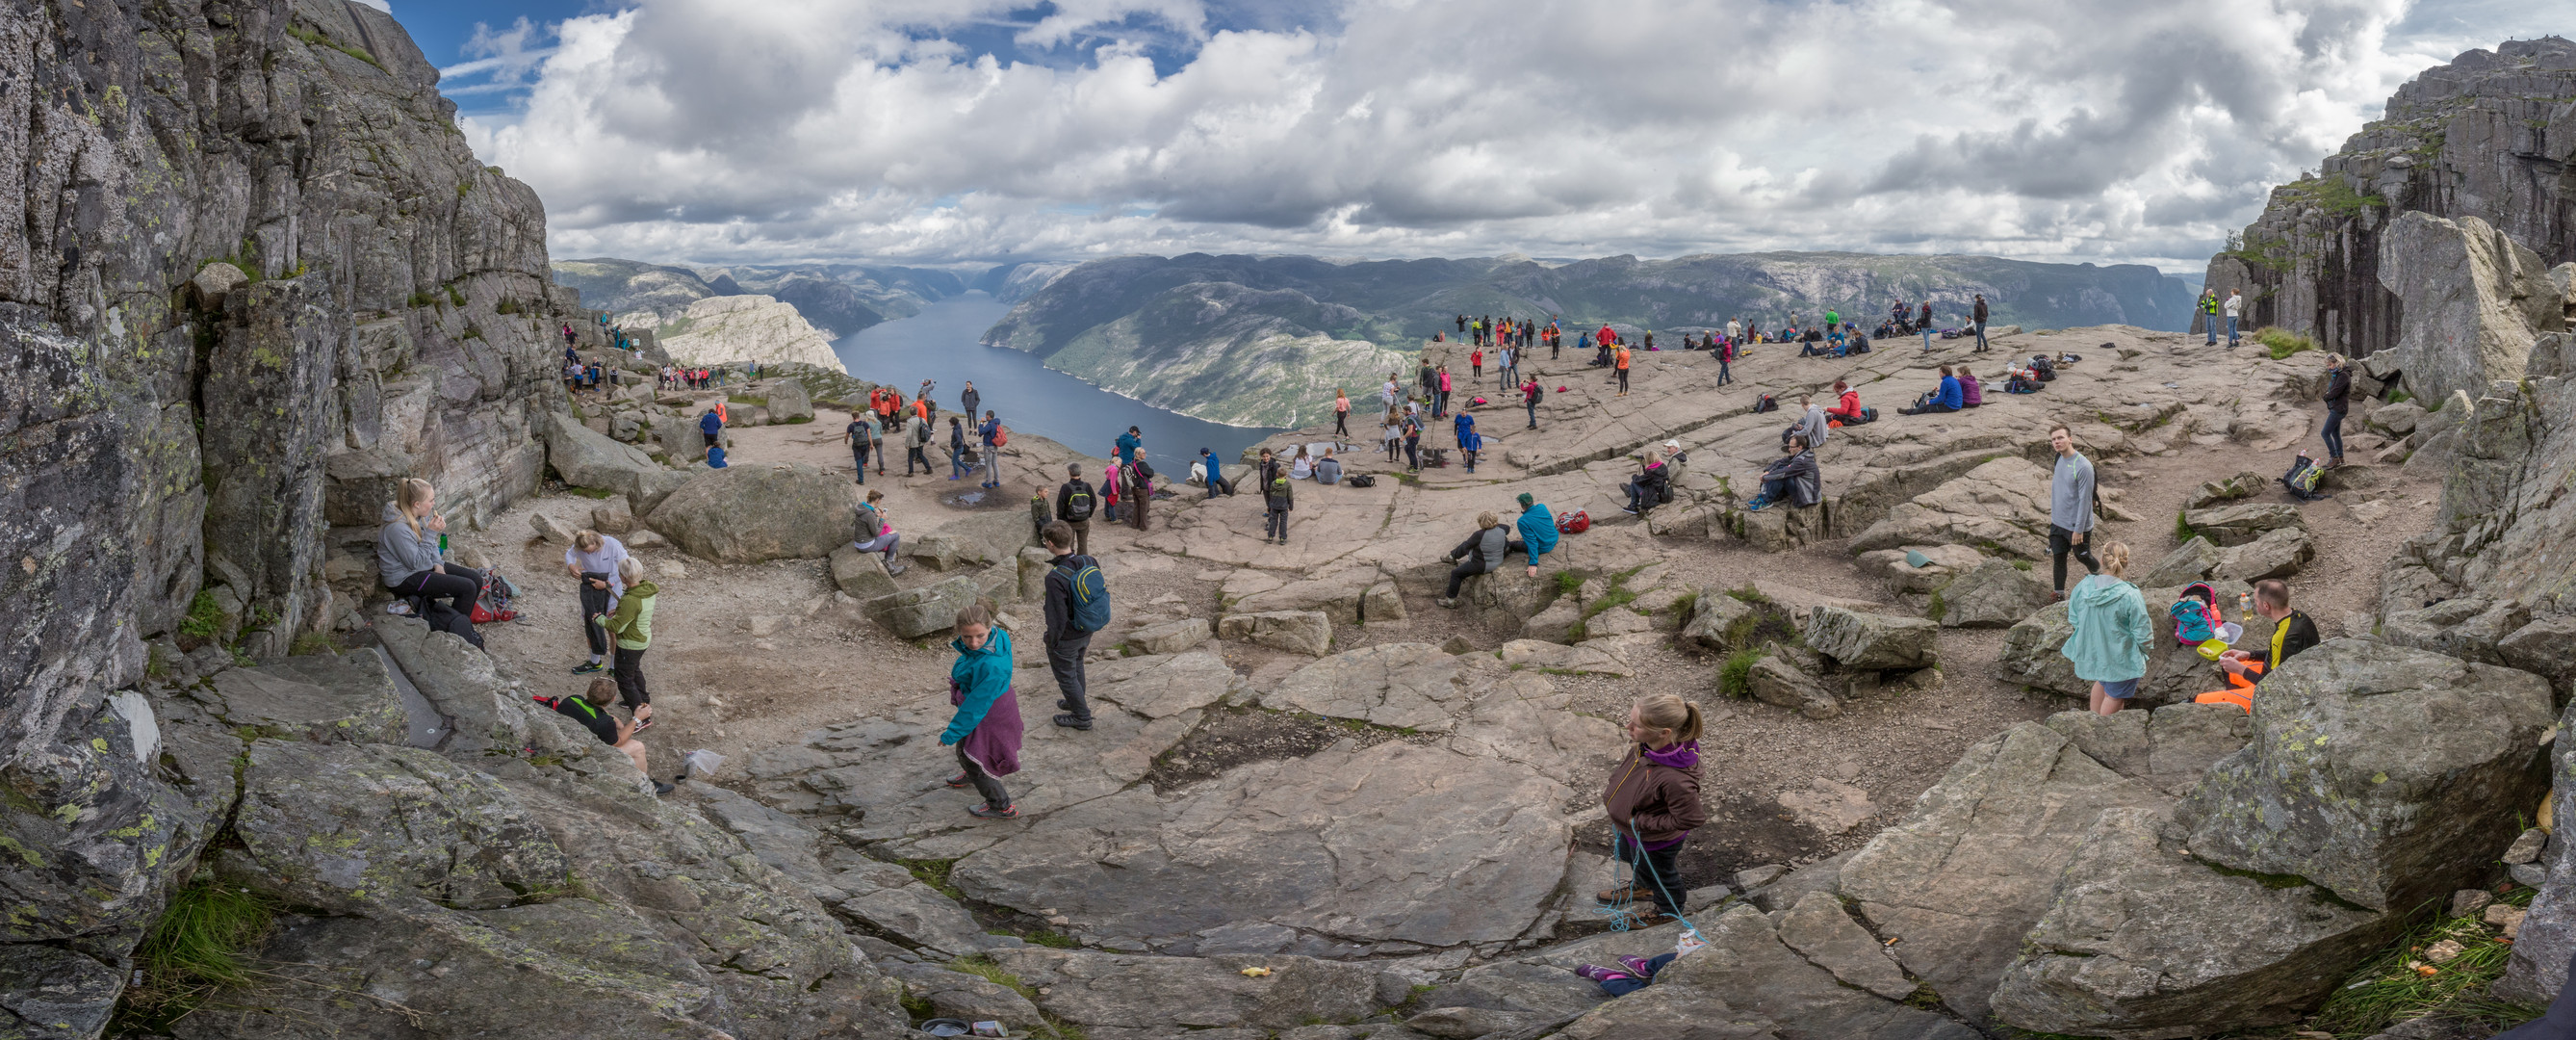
{"points": [[1538, 532], [2109, 643], [986, 729]]}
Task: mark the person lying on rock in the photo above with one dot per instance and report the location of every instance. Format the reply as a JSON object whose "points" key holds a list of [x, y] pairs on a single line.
{"points": [[986, 728], [1481, 553], [2292, 631], [1793, 477], [1653, 800], [591, 710]]}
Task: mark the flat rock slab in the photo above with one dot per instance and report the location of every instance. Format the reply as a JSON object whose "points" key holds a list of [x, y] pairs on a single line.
{"points": [[1193, 993], [1873, 641], [1748, 968], [1392, 842], [1823, 932], [345, 698], [1401, 685]]}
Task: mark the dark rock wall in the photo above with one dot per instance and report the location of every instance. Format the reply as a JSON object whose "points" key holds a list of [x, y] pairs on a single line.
{"points": [[2490, 135], [163, 429]]}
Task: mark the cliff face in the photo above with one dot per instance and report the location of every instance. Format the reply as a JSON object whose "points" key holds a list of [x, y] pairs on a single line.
{"points": [[254, 275], [2489, 135], [722, 329]]}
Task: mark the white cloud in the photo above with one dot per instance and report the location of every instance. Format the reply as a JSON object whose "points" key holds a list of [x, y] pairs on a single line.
{"points": [[381, 5], [2103, 129]]}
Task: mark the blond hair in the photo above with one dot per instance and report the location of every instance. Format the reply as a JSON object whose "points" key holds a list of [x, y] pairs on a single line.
{"points": [[408, 495], [2115, 559], [976, 613], [1488, 519], [586, 540], [1666, 711], [631, 570]]}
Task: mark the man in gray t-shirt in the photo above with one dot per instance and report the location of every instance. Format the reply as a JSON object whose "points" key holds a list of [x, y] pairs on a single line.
{"points": [[2070, 508]]}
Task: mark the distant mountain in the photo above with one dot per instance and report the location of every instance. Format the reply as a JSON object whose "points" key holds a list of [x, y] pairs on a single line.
{"points": [[838, 299], [1247, 339]]}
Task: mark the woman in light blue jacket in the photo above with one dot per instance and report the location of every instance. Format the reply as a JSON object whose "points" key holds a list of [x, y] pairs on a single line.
{"points": [[2109, 643]]}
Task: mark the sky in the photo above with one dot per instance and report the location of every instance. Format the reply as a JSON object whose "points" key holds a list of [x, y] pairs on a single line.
{"points": [[957, 131]]}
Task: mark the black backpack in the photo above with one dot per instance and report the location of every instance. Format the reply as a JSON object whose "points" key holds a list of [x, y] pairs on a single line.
{"points": [[1765, 404], [1079, 503]]}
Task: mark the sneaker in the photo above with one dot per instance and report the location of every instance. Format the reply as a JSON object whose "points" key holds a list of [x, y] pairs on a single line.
{"points": [[1007, 812], [1637, 966], [1446, 601], [897, 569], [663, 788], [643, 724], [1598, 973], [961, 781], [588, 669], [398, 608], [1070, 720], [1632, 510]]}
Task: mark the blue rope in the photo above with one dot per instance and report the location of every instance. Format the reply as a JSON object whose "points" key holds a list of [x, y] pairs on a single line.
{"points": [[1621, 917]]}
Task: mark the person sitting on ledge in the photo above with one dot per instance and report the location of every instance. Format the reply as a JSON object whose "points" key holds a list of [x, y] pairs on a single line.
{"points": [[1793, 476]]}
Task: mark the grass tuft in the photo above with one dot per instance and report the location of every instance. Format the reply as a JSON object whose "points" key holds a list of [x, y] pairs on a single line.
{"points": [[2283, 342], [2183, 531], [1735, 677], [2390, 988], [202, 943], [934, 873], [204, 617]]}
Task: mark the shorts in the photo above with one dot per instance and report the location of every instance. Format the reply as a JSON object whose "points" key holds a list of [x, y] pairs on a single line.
{"points": [[2121, 690]]}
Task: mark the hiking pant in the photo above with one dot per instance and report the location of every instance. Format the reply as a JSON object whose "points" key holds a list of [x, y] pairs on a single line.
{"points": [[912, 455], [1469, 568], [884, 543], [2211, 323], [1470, 454], [1136, 515], [860, 456], [992, 467], [2060, 542], [995, 795], [1533, 412], [1656, 872], [1392, 450], [711, 438], [2231, 330], [1275, 525], [1621, 987], [1342, 423], [2334, 433], [1065, 660], [1981, 334], [1081, 536], [1412, 453], [460, 587], [957, 464], [1774, 489], [630, 679], [1724, 376], [595, 602], [1927, 337], [1928, 407]]}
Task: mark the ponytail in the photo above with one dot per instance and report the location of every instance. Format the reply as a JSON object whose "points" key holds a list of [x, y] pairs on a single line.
{"points": [[1667, 711], [407, 495]]}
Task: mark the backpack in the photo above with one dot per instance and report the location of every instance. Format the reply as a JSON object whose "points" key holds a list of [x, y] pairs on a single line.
{"points": [[1575, 522], [1079, 504], [1090, 599], [1360, 480], [1765, 403], [1001, 436], [2306, 476], [922, 435], [1868, 414], [2193, 623], [493, 602]]}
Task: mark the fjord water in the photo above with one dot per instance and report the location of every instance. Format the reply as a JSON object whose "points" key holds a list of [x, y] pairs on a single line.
{"points": [[942, 343]]}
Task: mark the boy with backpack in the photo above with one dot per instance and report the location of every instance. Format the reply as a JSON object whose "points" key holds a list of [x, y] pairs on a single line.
{"points": [[1077, 605], [1277, 499], [1074, 503]]}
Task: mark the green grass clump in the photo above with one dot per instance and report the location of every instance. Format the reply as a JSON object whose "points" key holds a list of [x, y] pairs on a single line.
{"points": [[317, 39], [1686, 605], [934, 873], [2399, 397], [2021, 565], [1568, 581], [2388, 989], [2183, 531], [1937, 608], [1735, 677], [2283, 342], [982, 967], [204, 617], [589, 492], [1750, 595], [203, 943], [1053, 940]]}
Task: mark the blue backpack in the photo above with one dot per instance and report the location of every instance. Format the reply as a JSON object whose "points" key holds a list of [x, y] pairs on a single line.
{"points": [[1090, 596]]}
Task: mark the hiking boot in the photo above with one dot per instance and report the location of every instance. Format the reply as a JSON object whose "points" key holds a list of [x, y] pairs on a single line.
{"points": [[1070, 720], [591, 668], [961, 781], [1007, 812], [1648, 917], [1613, 895], [661, 788]]}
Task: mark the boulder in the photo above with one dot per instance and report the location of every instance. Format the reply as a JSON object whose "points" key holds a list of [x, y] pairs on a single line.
{"points": [[2191, 562], [747, 514], [325, 698], [2397, 420], [1713, 620], [2169, 748], [1556, 623], [788, 402], [2142, 941], [553, 531], [1861, 641], [2242, 485], [914, 613], [49, 992], [612, 516], [584, 457], [1747, 967], [1339, 595], [1775, 680], [861, 574], [2244, 522], [1963, 879], [1590, 657], [1404, 685], [2381, 773], [1779, 528], [2278, 554], [2471, 300], [1820, 930], [1940, 564], [1173, 995], [1306, 632], [348, 826], [1994, 595], [2001, 506], [1381, 602], [1169, 637]]}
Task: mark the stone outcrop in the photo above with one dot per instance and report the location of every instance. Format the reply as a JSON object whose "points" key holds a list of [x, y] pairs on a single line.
{"points": [[746, 514], [723, 329], [2481, 137], [2473, 302], [1859, 641]]}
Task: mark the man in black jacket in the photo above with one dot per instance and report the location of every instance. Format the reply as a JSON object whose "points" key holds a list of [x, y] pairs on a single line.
{"points": [[1074, 504], [2338, 397], [2292, 631], [1978, 315], [1065, 644]]}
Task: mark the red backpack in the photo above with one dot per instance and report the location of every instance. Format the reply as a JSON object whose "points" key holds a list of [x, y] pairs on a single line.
{"points": [[1575, 522]]}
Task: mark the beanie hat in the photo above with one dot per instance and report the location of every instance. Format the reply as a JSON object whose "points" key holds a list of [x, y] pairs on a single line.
{"points": [[1526, 501]]}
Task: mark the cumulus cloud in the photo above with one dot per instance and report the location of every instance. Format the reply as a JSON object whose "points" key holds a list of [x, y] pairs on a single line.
{"points": [[943, 130]]}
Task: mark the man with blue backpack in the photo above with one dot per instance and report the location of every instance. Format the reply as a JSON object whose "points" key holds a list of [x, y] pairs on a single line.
{"points": [[1077, 605]]}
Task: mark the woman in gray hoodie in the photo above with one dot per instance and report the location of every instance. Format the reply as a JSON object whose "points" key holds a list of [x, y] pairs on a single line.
{"points": [[1481, 553], [407, 551]]}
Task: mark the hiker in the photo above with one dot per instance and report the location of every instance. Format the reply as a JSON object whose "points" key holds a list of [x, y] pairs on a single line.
{"points": [[1266, 469], [876, 533], [1653, 799], [632, 625], [1342, 411], [2235, 307], [1388, 392], [1481, 553], [1074, 503], [990, 435], [1077, 603], [2292, 631], [1810, 424], [1109, 490], [1210, 475], [1530, 394], [1394, 435], [1846, 409], [1469, 441], [1927, 325], [409, 547], [861, 438], [1621, 359], [1945, 399], [986, 728], [968, 400], [1726, 358], [712, 424], [2111, 630], [1793, 476], [1140, 488], [1328, 470], [1412, 443], [916, 438], [959, 459], [1647, 489], [590, 710], [2070, 507], [592, 561], [1278, 499], [1538, 532], [1302, 467], [1503, 367], [1971, 393], [1129, 443], [2338, 397], [2208, 307], [1476, 363], [1977, 314], [1440, 403]]}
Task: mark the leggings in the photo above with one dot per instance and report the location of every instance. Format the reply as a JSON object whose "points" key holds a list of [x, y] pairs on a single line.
{"points": [[2060, 542], [995, 795], [1623, 380], [460, 587], [2334, 434], [1342, 423]]}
